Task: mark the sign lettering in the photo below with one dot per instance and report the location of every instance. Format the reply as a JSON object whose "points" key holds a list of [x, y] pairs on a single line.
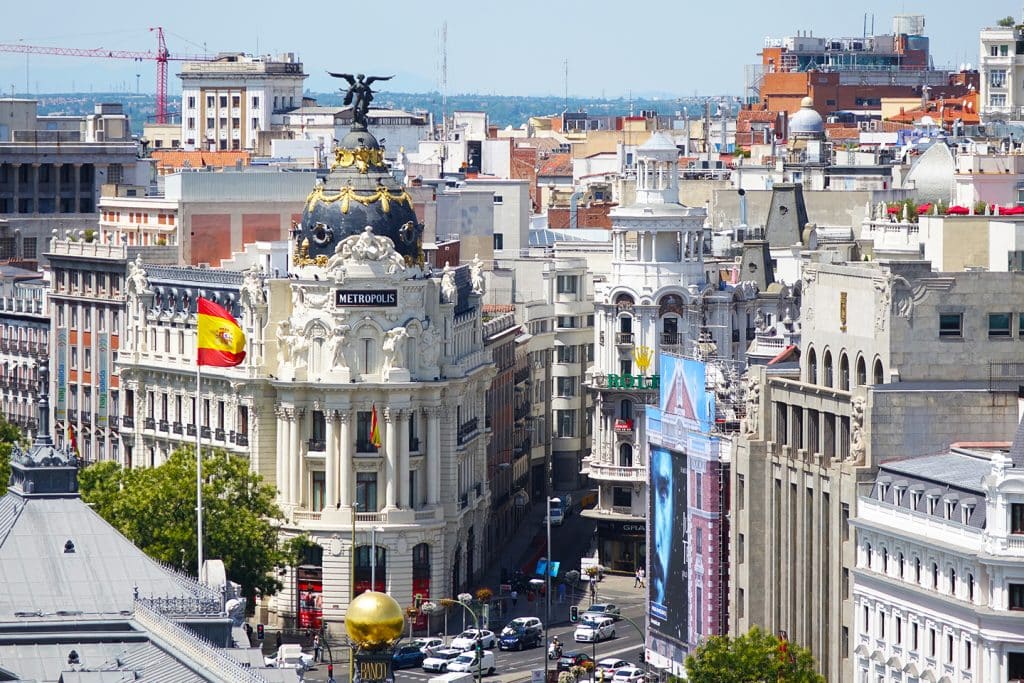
{"points": [[633, 381], [386, 298]]}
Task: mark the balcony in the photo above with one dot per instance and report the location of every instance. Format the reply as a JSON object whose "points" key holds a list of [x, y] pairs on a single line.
{"points": [[176, 428], [617, 472], [164, 426], [623, 426], [190, 430], [624, 339], [219, 434], [128, 421], [316, 445], [204, 432], [365, 447], [241, 440], [671, 340], [467, 429], [149, 423]]}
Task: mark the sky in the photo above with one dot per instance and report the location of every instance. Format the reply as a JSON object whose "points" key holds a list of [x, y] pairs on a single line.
{"points": [[669, 48]]}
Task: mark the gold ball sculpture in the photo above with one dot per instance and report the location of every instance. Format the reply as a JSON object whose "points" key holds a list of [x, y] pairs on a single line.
{"points": [[374, 620]]}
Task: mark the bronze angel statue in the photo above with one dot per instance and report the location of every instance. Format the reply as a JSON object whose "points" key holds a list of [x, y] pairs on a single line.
{"points": [[359, 94]]}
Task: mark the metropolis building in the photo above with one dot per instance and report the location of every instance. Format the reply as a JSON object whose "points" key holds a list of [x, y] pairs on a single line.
{"points": [[359, 331]]}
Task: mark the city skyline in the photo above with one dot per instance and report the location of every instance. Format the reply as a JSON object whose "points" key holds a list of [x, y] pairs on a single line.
{"points": [[550, 54]]}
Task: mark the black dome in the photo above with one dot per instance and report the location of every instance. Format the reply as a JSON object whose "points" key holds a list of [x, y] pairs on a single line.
{"points": [[359, 191]]}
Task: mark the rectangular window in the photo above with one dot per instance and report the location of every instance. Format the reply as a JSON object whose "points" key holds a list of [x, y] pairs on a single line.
{"points": [[913, 637], [932, 642], [1004, 50], [698, 491], [741, 491], [949, 648], [993, 51], [366, 491], [255, 102], [566, 423], [1017, 518], [364, 419], [255, 123], [223, 101], [967, 655], [210, 122], [236, 100], [899, 631], [1016, 593], [319, 487], [740, 548], [191, 102], [191, 123], [566, 386], [698, 621], [566, 354], [951, 324], [499, 241], [997, 100], [998, 325], [568, 321], [997, 78], [567, 284]]}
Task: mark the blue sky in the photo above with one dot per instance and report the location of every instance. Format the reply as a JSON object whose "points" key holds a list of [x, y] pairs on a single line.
{"points": [[671, 48]]}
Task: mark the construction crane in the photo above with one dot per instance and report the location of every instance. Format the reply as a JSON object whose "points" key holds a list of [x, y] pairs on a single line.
{"points": [[161, 56]]}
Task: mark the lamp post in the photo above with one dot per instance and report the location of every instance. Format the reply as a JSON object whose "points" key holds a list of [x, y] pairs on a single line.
{"points": [[463, 601], [547, 585], [373, 556]]}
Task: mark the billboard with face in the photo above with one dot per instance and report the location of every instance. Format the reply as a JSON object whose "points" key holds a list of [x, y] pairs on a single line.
{"points": [[667, 587]]}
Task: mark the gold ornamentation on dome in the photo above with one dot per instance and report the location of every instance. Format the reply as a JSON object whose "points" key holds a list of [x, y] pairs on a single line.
{"points": [[374, 620], [301, 257], [348, 194], [362, 157]]}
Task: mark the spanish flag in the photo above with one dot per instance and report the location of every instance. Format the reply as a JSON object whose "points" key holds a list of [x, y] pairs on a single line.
{"points": [[72, 441], [220, 340], [374, 428]]}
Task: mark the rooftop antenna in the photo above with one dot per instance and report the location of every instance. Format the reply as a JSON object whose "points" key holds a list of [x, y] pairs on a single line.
{"points": [[444, 94], [565, 67]]}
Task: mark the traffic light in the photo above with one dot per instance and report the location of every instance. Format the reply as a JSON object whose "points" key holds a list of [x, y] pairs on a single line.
{"points": [[330, 671], [574, 614], [259, 631]]}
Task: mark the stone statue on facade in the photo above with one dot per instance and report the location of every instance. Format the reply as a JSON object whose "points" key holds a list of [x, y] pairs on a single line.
{"points": [[449, 292], [430, 348], [339, 347], [138, 280], [753, 403], [368, 247], [359, 94], [284, 343], [858, 446], [476, 275], [252, 293], [394, 348]]}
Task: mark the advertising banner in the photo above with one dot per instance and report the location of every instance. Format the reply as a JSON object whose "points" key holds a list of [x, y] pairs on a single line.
{"points": [[685, 400], [60, 411], [103, 374], [667, 585]]}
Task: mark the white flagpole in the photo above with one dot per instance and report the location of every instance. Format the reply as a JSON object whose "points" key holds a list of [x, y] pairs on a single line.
{"points": [[199, 472]]}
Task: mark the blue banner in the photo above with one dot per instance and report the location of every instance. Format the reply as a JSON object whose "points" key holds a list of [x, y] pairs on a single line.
{"points": [[61, 409], [103, 373]]}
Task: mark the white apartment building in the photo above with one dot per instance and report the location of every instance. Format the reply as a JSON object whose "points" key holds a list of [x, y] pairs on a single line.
{"points": [[226, 102], [938, 588], [1001, 65]]}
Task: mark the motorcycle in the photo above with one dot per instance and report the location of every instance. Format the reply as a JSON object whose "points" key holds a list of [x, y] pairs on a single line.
{"points": [[555, 651]]}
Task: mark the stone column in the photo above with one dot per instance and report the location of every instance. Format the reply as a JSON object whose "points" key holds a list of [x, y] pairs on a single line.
{"points": [[346, 459], [16, 170], [282, 436], [56, 181], [391, 460], [294, 457], [76, 203], [35, 187], [433, 455], [404, 494], [331, 474]]}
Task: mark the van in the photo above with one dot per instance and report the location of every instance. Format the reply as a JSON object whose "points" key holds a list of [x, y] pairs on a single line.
{"points": [[557, 514], [467, 662], [453, 677]]}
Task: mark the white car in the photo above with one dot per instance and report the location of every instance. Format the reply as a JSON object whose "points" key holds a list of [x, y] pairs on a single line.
{"points": [[628, 674], [440, 659], [467, 663], [594, 630], [610, 666], [289, 656], [429, 645], [467, 639]]}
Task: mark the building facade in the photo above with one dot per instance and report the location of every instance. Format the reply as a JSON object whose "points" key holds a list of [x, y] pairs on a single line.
{"points": [[1000, 64], [24, 342], [938, 590]]}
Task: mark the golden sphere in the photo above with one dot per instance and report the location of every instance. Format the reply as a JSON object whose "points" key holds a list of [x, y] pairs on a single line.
{"points": [[374, 620]]}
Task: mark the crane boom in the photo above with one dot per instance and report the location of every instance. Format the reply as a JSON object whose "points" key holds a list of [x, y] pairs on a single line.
{"points": [[161, 57]]}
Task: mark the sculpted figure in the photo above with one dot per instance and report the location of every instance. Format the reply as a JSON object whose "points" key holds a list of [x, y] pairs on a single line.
{"points": [[476, 275], [394, 348], [284, 347], [753, 403], [449, 292], [857, 445], [138, 281], [430, 347], [252, 287], [338, 358]]}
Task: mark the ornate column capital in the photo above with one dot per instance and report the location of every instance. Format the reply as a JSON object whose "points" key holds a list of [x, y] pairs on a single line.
{"points": [[344, 415]]}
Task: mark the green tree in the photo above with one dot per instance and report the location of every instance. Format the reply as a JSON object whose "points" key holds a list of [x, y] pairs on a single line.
{"points": [[9, 435], [756, 657], [155, 508], [1006, 22]]}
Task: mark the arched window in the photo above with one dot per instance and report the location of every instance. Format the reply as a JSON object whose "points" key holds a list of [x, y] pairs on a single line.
{"points": [[828, 368], [364, 571], [862, 372], [844, 372], [626, 409], [812, 366], [626, 455], [952, 582], [879, 376]]}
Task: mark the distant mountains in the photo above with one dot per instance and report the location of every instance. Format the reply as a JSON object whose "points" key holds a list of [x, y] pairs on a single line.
{"points": [[502, 110]]}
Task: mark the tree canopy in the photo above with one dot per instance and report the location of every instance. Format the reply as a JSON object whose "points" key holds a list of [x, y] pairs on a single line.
{"points": [[155, 508], [755, 657], [9, 435], [1007, 21]]}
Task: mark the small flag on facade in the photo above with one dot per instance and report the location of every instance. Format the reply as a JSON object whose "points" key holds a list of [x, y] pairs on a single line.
{"points": [[374, 428], [220, 341]]}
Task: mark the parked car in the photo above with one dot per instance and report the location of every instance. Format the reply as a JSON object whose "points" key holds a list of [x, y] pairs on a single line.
{"points": [[406, 656], [467, 662], [521, 633], [428, 645], [439, 660], [467, 639], [602, 609], [628, 674], [594, 630], [610, 665], [289, 656], [571, 659], [557, 513]]}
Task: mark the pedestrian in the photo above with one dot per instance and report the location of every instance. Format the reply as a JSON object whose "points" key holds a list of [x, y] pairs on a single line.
{"points": [[636, 578], [317, 648], [515, 597], [279, 640], [593, 588], [643, 575], [561, 593]]}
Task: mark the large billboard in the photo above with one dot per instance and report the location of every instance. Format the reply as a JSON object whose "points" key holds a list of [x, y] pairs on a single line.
{"points": [[685, 401], [667, 585]]}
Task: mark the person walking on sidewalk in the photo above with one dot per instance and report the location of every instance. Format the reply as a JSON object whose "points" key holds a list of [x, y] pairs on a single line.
{"points": [[515, 597], [641, 575], [637, 580]]}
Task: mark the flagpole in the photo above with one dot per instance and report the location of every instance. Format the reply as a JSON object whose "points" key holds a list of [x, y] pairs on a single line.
{"points": [[199, 477]]}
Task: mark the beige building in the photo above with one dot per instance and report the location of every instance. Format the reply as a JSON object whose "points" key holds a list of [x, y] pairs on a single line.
{"points": [[897, 361]]}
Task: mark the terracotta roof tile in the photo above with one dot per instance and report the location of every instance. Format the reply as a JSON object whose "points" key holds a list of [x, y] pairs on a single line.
{"points": [[170, 158], [557, 165]]}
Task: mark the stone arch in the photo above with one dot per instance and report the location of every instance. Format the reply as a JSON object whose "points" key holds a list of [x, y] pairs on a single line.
{"points": [[827, 375], [812, 365], [878, 372], [625, 455], [844, 371], [861, 372]]}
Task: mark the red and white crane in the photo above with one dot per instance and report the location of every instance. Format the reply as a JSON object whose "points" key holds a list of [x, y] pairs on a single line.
{"points": [[161, 56]]}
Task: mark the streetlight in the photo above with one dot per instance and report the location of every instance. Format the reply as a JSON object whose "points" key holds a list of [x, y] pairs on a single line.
{"points": [[373, 556], [463, 600], [547, 589]]}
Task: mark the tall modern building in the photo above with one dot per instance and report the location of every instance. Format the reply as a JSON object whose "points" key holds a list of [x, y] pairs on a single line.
{"points": [[227, 102], [867, 390]]}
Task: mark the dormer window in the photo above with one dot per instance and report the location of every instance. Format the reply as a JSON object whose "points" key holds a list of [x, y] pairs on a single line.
{"points": [[933, 501], [966, 511], [883, 490], [915, 499], [897, 494], [948, 507]]}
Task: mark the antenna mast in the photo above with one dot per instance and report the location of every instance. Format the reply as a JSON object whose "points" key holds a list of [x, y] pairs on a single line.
{"points": [[565, 66], [444, 95]]}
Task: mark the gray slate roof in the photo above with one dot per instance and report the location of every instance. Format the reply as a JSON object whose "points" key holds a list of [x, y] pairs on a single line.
{"points": [[948, 469], [46, 661]]}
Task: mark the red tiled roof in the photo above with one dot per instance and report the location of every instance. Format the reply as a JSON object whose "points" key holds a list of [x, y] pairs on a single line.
{"points": [[557, 165], [840, 131], [499, 308], [170, 158]]}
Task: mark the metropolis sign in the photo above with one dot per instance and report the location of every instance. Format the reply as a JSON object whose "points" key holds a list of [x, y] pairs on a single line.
{"points": [[387, 298]]}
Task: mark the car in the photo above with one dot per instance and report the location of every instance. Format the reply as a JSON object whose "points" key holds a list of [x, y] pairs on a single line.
{"points": [[440, 659], [467, 640], [289, 656], [521, 633], [610, 665], [467, 662], [571, 659], [628, 674], [407, 655], [428, 645], [602, 609], [594, 630]]}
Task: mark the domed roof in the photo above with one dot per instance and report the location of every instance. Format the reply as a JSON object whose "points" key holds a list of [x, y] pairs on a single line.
{"points": [[806, 121], [658, 142], [359, 191]]}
